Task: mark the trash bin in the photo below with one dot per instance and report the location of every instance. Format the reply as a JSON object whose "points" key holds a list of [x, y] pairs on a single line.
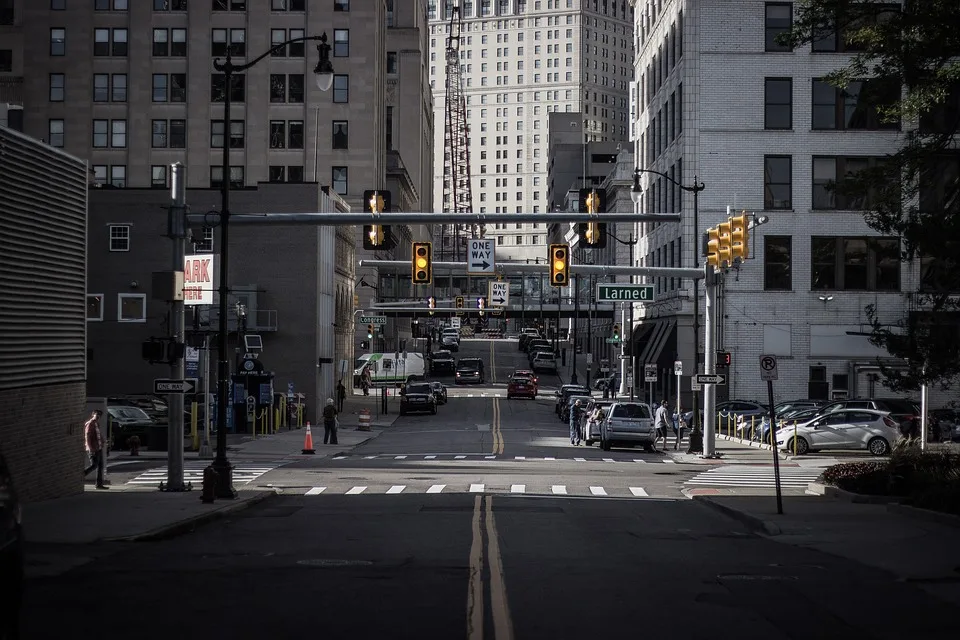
{"points": [[157, 437]]}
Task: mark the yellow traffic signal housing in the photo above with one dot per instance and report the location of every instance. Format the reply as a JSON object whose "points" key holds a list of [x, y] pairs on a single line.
{"points": [[616, 331], [422, 263], [724, 254], [739, 237], [559, 265], [713, 247], [370, 331], [592, 234], [376, 236], [459, 302]]}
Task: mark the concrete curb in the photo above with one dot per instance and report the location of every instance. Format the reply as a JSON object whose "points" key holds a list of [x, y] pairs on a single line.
{"points": [[758, 525], [829, 491], [187, 525], [938, 517]]}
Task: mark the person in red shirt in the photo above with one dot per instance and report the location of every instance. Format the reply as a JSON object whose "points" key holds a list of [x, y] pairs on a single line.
{"points": [[93, 440]]}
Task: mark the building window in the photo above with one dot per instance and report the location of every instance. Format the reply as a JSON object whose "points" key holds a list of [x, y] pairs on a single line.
{"points": [[218, 43], [99, 172], [778, 103], [178, 87], [101, 129], [238, 42], [57, 86], [288, 5], [218, 84], [119, 237], [339, 179], [341, 43], [101, 87], [161, 42], [276, 173], [341, 88], [942, 117], [850, 264], [777, 182], [777, 257], [278, 87], [392, 62], [118, 176], [855, 107], [229, 5], [178, 42], [119, 43], [277, 38], [278, 134], [833, 42], [178, 134], [158, 176], [216, 177], [131, 307], [55, 133], [119, 92], [828, 172], [118, 134], [159, 87], [295, 131], [295, 88], [95, 307], [295, 173], [237, 135], [159, 134], [205, 244], [778, 20], [58, 42], [169, 5], [938, 184], [6, 60], [341, 5], [341, 138]]}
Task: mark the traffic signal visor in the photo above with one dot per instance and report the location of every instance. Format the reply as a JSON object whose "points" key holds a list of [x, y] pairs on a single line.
{"points": [[480, 303], [713, 247], [739, 236], [375, 234], [559, 264], [724, 253], [422, 263]]}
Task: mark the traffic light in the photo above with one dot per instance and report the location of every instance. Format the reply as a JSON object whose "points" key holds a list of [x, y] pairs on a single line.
{"points": [[559, 265], [739, 237], [432, 304], [713, 247], [370, 331], [459, 302], [616, 332], [422, 263], [723, 230], [376, 236], [481, 304], [724, 359], [592, 234]]}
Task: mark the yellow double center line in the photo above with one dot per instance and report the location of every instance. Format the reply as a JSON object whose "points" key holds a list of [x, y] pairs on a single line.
{"points": [[499, 606], [495, 427]]}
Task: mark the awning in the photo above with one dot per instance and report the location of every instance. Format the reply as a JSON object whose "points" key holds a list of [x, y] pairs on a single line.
{"points": [[661, 331]]}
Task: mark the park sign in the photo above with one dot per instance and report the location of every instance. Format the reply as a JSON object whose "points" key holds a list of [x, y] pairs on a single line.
{"points": [[198, 279], [613, 292]]}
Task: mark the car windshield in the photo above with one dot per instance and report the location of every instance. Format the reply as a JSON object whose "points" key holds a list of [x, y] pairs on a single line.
{"points": [[472, 365], [419, 388], [441, 355], [630, 411], [128, 413], [543, 355]]}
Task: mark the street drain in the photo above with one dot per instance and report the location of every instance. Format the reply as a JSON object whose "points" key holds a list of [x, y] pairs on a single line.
{"points": [[327, 562]]}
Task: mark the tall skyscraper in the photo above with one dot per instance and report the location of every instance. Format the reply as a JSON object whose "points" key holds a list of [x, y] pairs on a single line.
{"points": [[521, 60]]}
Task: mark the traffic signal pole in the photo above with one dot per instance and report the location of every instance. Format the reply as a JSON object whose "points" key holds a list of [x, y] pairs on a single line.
{"points": [[710, 281]]}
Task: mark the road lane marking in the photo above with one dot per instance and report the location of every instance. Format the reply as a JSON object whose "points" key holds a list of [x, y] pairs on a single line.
{"points": [[355, 491], [476, 488], [499, 605], [475, 584], [339, 457], [400, 457], [437, 488], [580, 459], [549, 458], [397, 488], [369, 457], [518, 488], [316, 491], [459, 457], [609, 460], [641, 461], [429, 457], [638, 492], [668, 461], [598, 491], [560, 489], [520, 457]]}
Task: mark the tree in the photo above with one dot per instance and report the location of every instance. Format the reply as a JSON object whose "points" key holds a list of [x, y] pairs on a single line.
{"points": [[913, 48]]}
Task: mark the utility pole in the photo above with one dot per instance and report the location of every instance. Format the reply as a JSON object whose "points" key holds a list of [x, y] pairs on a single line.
{"points": [[177, 232], [205, 450], [710, 280], [576, 313]]}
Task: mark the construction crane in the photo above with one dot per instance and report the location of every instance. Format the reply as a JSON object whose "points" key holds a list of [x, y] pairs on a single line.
{"points": [[457, 184]]}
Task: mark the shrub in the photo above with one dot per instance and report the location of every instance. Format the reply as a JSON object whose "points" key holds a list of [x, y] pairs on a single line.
{"points": [[860, 477]]}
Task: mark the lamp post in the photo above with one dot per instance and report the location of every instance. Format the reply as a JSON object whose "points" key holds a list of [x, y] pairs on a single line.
{"points": [[324, 79], [576, 313], [696, 436]]}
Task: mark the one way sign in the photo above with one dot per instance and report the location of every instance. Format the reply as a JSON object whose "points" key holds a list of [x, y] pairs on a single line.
{"points": [[499, 294], [163, 386], [481, 258]]}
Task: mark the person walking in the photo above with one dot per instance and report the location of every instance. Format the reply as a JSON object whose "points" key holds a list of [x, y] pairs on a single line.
{"points": [[662, 424], [341, 396], [330, 423], [575, 423], [93, 442]]}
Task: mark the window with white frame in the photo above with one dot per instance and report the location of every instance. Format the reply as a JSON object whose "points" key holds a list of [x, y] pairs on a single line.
{"points": [[131, 307], [119, 237], [94, 307]]}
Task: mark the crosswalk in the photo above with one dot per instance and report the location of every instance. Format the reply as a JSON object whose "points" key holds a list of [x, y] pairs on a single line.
{"points": [[480, 457], [545, 489], [755, 476], [243, 473]]}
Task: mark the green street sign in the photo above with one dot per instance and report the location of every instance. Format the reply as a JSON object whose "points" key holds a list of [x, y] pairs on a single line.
{"points": [[373, 319], [612, 292], [613, 340]]}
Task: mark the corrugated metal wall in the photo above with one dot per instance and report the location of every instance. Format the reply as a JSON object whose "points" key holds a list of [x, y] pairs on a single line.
{"points": [[43, 257]]}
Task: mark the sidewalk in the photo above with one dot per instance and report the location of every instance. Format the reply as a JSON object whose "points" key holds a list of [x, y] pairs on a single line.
{"points": [[915, 545], [290, 443], [730, 451]]}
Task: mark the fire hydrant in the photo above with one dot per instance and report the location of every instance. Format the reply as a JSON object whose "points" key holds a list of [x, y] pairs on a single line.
{"points": [[209, 493], [134, 443]]}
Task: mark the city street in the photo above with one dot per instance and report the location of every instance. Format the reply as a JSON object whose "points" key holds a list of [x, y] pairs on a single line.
{"points": [[479, 522]]}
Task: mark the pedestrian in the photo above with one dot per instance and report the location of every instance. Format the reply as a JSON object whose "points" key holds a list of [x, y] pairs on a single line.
{"points": [[330, 423], [93, 442], [662, 423], [575, 423], [341, 396]]}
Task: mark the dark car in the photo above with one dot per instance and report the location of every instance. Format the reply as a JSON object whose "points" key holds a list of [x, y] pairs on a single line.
{"points": [[418, 397], [470, 370], [439, 392], [125, 422], [11, 555], [442, 362], [565, 392]]}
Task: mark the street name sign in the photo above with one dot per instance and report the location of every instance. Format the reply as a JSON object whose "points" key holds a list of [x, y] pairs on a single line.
{"points": [[167, 385], [613, 341], [612, 292], [499, 294], [481, 258], [373, 319], [712, 378]]}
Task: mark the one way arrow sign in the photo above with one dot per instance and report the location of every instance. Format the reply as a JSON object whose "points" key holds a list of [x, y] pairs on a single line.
{"points": [[498, 294], [481, 258]]}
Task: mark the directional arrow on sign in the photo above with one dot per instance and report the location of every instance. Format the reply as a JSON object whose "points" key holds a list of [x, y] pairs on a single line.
{"points": [[711, 378], [498, 300], [480, 266]]}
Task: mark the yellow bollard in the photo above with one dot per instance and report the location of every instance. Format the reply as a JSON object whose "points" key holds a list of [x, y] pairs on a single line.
{"points": [[194, 434], [752, 425], [794, 437]]}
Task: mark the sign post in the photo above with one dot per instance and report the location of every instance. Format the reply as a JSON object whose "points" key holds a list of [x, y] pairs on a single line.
{"points": [[481, 257], [677, 371], [769, 373]]}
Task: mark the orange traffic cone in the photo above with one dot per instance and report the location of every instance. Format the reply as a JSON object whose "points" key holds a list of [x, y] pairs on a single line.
{"points": [[308, 441]]}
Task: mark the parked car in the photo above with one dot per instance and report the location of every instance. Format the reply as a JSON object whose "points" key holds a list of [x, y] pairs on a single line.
{"points": [[607, 382], [439, 392], [442, 362], [538, 344], [11, 555], [124, 422], [470, 370], [591, 428], [906, 413], [544, 362], [565, 391], [584, 400], [869, 429], [525, 336], [761, 428], [418, 397], [521, 387], [628, 423]]}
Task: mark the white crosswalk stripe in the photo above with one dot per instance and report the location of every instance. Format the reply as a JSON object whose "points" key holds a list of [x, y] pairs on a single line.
{"points": [[398, 488], [476, 488], [554, 490], [559, 489], [243, 473], [315, 491], [518, 488], [478, 457], [355, 491], [436, 488], [739, 475], [598, 491], [638, 491]]}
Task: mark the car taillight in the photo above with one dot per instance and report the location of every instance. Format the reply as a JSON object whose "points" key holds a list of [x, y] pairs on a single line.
{"points": [[889, 422]]}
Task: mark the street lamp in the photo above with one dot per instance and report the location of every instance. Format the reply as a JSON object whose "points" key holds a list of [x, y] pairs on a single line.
{"points": [[696, 436], [324, 79]]}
